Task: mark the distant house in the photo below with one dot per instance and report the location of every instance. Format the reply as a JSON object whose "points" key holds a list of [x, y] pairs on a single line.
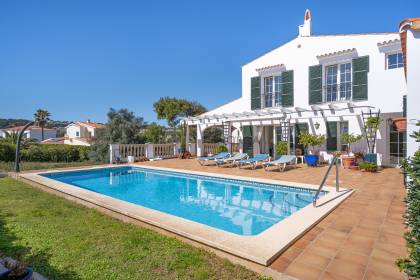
{"points": [[32, 132], [82, 133]]}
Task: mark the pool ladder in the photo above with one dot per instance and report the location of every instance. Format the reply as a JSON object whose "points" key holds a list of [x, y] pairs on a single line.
{"points": [[337, 182]]}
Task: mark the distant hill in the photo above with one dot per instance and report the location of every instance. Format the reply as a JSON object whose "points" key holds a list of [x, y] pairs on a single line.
{"points": [[4, 123]]}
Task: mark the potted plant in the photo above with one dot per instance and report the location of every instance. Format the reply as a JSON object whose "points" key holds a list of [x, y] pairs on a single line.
{"points": [[221, 148], [368, 166], [400, 123], [281, 148], [349, 138], [16, 269], [311, 141]]}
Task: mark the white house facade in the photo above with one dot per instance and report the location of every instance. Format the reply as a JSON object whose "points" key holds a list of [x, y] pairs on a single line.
{"points": [[322, 84], [82, 133], [410, 41], [32, 132]]}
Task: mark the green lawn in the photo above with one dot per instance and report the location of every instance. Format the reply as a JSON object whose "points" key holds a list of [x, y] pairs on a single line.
{"points": [[69, 241], [24, 166]]}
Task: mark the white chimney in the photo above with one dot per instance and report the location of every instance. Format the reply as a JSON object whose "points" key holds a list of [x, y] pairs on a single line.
{"points": [[306, 28]]}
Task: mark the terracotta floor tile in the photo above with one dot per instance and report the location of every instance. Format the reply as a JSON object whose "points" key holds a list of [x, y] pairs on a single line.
{"points": [[281, 264], [313, 259], [292, 252], [391, 239], [347, 269], [352, 257], [377, 275], [323, 250], [384, 266], [302, 271]]}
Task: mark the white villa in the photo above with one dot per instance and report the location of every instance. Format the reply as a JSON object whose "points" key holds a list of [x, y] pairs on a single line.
{"points": [[323, 84], [32, 132], [82, 133]]}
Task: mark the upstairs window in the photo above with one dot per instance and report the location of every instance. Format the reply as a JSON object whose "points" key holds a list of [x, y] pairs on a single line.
{"points": [[337, 82], [272, 91], [394, 60]]}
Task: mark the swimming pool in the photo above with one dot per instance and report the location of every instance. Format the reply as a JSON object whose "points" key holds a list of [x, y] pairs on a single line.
{"points": [[237, 206]]}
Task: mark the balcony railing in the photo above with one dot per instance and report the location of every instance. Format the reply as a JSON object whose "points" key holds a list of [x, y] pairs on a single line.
{"points": [[337, 92]]}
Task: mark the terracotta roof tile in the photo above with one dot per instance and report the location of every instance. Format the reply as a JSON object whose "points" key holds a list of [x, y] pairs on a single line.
{"points": [[336, 53], [269, 67], [389, 42], [91, 124], [32, 127]]}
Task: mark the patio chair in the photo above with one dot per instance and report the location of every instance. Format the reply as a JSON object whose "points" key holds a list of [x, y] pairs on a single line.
{"points": [[203, 160], [253, 162], [231, 160], [281, 163]]}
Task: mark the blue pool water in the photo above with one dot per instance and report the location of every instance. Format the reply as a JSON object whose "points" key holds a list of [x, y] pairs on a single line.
{"points": [[240, 207]]}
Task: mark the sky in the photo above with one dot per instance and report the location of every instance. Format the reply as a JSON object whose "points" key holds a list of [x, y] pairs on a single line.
{"points": [[79, 58]]}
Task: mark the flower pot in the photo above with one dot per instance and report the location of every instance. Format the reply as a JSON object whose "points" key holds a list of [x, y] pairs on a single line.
{"points": [[311, 160], [26, 276], [400, 124], [348, 161]]}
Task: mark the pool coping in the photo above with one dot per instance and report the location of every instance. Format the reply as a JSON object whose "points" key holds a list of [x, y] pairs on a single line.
{"points": [[263, 248]]}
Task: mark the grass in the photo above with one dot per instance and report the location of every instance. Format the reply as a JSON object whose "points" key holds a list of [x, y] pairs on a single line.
{"points": [[25, 165], [65, 240]]}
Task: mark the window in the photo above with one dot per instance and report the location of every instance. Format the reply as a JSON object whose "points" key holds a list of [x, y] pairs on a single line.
{"points": [[397, 145], [335, 130], [77, 134], [338, 82], [268, 91], [272, 91], [394, 60]]}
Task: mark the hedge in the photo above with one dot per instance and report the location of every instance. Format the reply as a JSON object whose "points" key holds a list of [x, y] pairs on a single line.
{"points": [[45, 153], [411, 264]]}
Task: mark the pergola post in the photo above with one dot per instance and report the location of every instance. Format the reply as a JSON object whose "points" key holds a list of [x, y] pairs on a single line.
{"points": [[187, 137], [274, 142], [200, 146]]}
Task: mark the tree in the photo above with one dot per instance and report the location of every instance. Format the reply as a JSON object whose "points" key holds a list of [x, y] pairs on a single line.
{"points": [[122, 127], [41, 118], [154, 133], [173, 109], [11, 137], [213, 134]]}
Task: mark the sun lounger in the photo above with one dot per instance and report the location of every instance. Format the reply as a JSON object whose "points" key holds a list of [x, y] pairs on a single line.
{"points": [[203, 160], [231, 160], [253, 162], [281, 163]]}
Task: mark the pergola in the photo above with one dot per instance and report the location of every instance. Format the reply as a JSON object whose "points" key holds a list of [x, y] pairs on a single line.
{"points": [[276, 117]]}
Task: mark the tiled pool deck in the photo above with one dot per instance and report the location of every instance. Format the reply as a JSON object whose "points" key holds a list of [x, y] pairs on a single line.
{"points": [[361, 239]]}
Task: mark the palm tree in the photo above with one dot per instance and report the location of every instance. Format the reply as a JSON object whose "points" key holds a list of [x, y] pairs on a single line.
{"points": [[41, 118], [11, 137]]}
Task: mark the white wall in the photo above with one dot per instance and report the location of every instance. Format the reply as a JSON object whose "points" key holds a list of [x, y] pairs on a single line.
{"points": [[37, 134], [413, 87]]}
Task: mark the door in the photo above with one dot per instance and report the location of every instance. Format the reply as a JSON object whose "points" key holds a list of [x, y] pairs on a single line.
{"points": [[247, 140], [332, 136]]}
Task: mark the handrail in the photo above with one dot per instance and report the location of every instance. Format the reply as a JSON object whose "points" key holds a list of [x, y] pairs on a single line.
{"points": [[337, 183]]}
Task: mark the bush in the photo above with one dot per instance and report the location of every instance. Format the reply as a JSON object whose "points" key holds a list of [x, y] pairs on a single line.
{"points": [[411, 264], [55, 153], [221, 148], [281, 148], [368, 166], [7, 151]]}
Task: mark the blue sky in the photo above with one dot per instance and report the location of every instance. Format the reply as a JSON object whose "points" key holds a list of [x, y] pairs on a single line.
{"points": [[79, 58]]}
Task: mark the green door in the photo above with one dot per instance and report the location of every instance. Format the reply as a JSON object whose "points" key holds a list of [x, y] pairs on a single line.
{"points": [[248, 145], [332, 136]]}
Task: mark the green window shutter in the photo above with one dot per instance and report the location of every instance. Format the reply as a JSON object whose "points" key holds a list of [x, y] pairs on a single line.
{"points": [[360, 78], [315, 84], [287, 88], [255, 93], [247, 140]]}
